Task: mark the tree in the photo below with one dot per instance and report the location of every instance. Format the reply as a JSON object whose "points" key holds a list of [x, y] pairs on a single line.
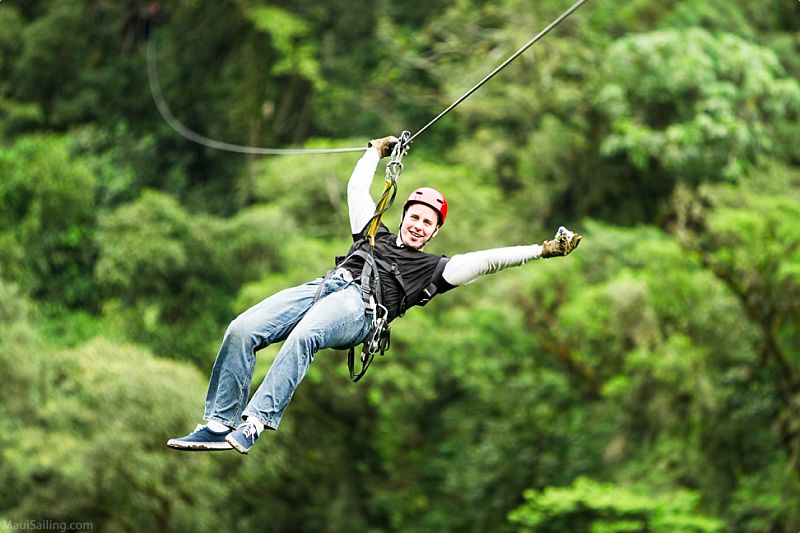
{"points": [[169, 278], [47, 221], [587, 505], [687, 106], [83, 433], [747, 237]]}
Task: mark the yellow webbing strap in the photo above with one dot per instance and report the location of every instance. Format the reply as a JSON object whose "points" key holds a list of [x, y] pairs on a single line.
{"points": [[393, 169], [383, 205]]}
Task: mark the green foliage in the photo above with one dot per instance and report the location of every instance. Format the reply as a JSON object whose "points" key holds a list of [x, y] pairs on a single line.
{"points": [[765, 499], [83, 432], [671, 351], [306, 190], [647, 382], [712, 15], [91, 400], [587, 505], [169, 277], [490, 416], [9, 41], [14, 115], [705, 104], [291, 38], [47, 221], [749, 241]]}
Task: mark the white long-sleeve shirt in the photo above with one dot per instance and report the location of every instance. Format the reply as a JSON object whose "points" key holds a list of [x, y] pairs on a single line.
{"points": [[461, 268]]}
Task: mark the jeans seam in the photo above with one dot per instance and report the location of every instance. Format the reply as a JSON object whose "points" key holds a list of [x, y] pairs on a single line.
{"points": [[342, 325], [243, 393]]}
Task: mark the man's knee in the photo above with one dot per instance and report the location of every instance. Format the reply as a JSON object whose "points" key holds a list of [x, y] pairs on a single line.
{"points": [[239, 328], [310, 339]]}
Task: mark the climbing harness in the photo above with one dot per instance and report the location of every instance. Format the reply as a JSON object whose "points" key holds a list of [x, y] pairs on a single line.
{"points": [[378, 338]]}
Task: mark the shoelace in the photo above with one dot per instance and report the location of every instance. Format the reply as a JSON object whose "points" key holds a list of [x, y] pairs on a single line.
{"points": [[250, 431]]}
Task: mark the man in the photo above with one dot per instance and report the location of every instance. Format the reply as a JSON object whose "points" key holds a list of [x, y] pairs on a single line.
{"points": [[338, 310]]}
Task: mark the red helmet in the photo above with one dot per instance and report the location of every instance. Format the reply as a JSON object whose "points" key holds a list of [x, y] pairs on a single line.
{"points": [[430, 197]]}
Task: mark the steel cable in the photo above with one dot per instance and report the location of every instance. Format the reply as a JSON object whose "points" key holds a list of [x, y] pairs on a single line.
{"points": [[163, 109]]}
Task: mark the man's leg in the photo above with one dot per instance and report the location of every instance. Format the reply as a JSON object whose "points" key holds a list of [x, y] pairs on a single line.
{"points": [[263, 324], [335, 321]]}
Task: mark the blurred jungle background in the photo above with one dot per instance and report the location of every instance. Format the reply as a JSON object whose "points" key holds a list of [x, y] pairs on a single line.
{"points": [[648, 382]]}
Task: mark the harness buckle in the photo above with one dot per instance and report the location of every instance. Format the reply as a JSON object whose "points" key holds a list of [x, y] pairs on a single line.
{"points": [[378, 338]]}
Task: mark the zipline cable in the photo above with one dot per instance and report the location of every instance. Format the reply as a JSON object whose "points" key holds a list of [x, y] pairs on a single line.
{"points": [[511, 58], [405, 138], [163, 109], [166, 114]]}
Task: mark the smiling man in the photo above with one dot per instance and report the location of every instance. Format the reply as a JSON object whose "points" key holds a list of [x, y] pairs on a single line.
{"points": [[421, 221], [372, 284]]}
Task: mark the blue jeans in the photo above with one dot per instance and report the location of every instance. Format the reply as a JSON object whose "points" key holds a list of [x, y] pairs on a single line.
{"points": [[336, 320]]}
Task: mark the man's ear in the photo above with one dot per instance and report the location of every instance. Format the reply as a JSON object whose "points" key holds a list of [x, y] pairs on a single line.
{"points": [[435, 232]]}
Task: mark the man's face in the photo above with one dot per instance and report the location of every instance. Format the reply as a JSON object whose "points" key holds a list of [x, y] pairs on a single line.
{"points": [[419, 225]]}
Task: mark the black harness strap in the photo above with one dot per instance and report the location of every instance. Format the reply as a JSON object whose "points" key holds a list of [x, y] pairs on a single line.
{"points": [[328, 275], [370, 280], [433, 289], [378, 339]]}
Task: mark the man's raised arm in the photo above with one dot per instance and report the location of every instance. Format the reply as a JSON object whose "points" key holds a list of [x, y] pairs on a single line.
{"points": [[360, 204]]}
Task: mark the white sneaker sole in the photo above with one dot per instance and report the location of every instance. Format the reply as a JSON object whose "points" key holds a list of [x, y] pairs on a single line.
{"points": [[236, 446], [198, 446]]}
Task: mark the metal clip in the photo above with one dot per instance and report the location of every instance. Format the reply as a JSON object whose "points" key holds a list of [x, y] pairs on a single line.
{"points": [[395, 165], [380, 327]]}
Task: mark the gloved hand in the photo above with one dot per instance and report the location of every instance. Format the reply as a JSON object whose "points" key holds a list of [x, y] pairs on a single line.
{"points": [[562, 244], [384, 145]]}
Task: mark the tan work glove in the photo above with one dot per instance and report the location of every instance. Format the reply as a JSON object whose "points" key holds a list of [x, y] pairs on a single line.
{"points": [[562, 244], [384, 145]]}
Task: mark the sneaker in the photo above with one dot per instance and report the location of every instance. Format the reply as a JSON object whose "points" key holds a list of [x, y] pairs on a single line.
{"points": [[243, 437], [201, 439]]}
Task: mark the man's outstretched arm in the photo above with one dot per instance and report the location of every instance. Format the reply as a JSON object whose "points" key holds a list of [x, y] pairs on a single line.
{"points": [[466, 268]]}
